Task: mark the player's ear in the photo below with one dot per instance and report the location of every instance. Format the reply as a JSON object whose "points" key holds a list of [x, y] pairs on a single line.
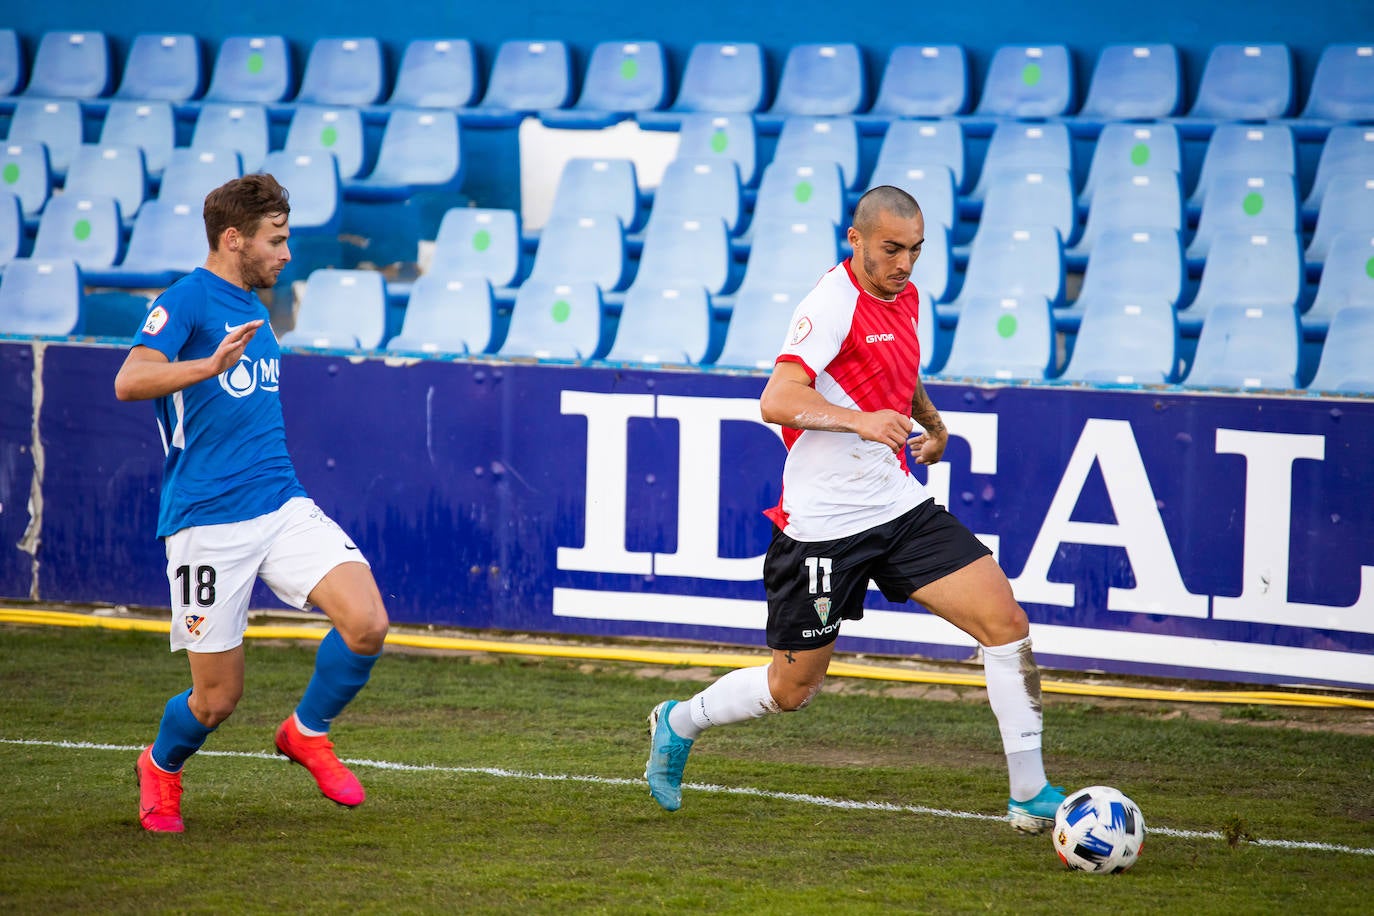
{"points": [[853, 236]]}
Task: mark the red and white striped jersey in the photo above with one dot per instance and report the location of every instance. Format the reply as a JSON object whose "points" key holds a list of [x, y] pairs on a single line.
{"points": [[861, 353]]}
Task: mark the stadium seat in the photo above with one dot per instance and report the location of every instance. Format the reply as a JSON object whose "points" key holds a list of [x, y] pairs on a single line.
{"points": [[722, 78], [338, 130], [1131, 148], [56, 123], [1247, 269], [789, 254], [1251, 202], [340, 310], [435, 73], [420, 150], [85, 229], [11, 228], [1343, 84], [1126, 343], [1247, 346], [758, 325], [934, 269], [663, 324], [699, 189], [312, 180], [1347, 207], [623, 78], [161, 66], [554, 321], [924, 144], [800, 191], [1253, 148], [932, 186], [1345, 365], [70, 65], [1243, 83], [24, 172], [1347, 148], [148, 125], [590, 186], [921, 81], [239, 128], [1146, 199], [449, 311], [1347, 279], [168, 241], [41, 297], [1020, 263], [720, 136], [1141, 266], [819, 80], [193, 173], [479, 242], [1028, 81], [812, 139], [526, 77], [112, 169], [1025, 147], [1002, 337], [13, 66], [251, 68], [575, 249], [343, 72], [929, 335], [1132, 82], [681, 252], [1019, 197]]}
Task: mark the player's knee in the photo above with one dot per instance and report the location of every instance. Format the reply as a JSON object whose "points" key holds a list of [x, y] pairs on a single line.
{"points": [[212, 707], [792, 697], [367, 635]]}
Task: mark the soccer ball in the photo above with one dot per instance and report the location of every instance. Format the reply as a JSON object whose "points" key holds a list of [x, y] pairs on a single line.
{"points": [[1098, 829]]}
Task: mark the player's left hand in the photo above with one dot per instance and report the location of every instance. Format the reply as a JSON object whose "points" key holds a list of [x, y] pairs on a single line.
{"points": [[927, 448]]}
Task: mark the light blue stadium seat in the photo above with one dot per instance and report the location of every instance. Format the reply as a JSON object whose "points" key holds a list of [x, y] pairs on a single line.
{"points": [[598, 185], [934, 269], [448, 312], [800, 191], [1247, 346], [787, 254], [435, 73], [1132, 82], [1030, 197], [1028, 81], [1252, 148], [1026, 147], [820, 80], [925, 144], [235, 127], [1130, 266], [1002, 337], [1346, 366], [70, 65], [112, 169], [13, 65], [720, 136], [1243, 82], [554, 321], [167, 242], [1348, 148], [699, 189], [526, 76], [479, 242], [1347, 207], [1342, 85], [663, 324], [685, 251], [41, 297], [921, 81], [1246, 268], [929, 334], [340, 310], [1347, 279], [722, 78], [815, 139], [1145, 199], [575, 249], [312, 179], [329, 129], [1252, 201], [251, 68], [24, 172], [420, 150], [759, 323], [161, 66], [1021, 263], [1131, 148], [342, 72], [11, 227], [85, 229], [148, 125], [193, 173], [932, 186], [56, 123], [1128, 343], [623, 78]]}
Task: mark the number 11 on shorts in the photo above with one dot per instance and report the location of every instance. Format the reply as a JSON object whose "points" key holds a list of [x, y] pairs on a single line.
{"points": [[818, 573]]}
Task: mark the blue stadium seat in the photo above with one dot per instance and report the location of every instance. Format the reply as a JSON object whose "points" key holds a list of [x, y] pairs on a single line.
{"points": [[526, 76], [251, 68], [759, 322], [193, 173], [819, 80], [1019, 263], [924, 144], [1347, 207], [11, 227], [1345, 365], [663, 324], [318, 129], [932, 186], [921, 81], [313, 183], [1018, 197], [1129, 343], [1028, 81], [479, 242], [420, 150], [722, 78], [1146, 199], [41, 297], [168, 241], [342, 72], [1347, 280], [24, 172], [112, 169], [1025, 147], [1243, 83], [575, 249], [934, 269], [1002, 337], [1343, 84], [1131, 148], [448, 311], [340, 310], [161, 66], [70, 65], [720, 136], [1129, 266], [56, 123], [1247, 269], [814, 139], [699, 189], [435, 73], [1247, 346], [1251, 202], [233, 127], [589, 186], [1132, 82], [1348, 148], [929, 335], [85, 229], [1254, 148], [800, 191], [623, 78], [13, 66], [553, 320], [148, 125], [685, 251], [789, 254]]}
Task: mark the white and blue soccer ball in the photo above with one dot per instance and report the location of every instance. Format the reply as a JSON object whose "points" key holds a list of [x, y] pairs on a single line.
{"points": [[1098, 829]]}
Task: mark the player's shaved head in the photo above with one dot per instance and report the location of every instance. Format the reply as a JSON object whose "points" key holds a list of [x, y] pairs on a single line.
{"points": [[883, 199]]}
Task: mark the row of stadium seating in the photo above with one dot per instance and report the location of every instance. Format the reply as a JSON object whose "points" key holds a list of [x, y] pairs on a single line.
{"points": [[1129, 81]]}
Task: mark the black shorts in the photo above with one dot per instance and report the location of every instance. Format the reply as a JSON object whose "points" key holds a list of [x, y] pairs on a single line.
{"points": [[813, 585]]}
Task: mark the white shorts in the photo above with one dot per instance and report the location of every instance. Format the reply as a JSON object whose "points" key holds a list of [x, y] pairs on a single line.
{"points": [[212, 569]]}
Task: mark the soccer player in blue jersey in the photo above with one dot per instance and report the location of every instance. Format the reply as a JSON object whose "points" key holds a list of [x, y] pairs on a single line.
{"points": [[232, 510]]}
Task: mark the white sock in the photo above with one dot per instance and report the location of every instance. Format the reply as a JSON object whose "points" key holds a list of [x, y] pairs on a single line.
{"points": [[308, 732], [1014, 693], [738, 696]]}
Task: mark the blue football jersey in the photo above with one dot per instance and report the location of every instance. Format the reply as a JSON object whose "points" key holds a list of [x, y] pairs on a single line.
{"points": [[224, 437]]}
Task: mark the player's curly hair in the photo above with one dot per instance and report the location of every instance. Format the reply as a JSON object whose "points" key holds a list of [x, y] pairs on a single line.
{"points": [[242, 204]]}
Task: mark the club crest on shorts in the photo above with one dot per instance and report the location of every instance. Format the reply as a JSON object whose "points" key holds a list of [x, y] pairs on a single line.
{"points": [[823, 609], [193, 622]]}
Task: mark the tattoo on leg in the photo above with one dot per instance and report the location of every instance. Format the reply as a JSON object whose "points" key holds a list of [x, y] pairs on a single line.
{"points": [[791, 659]]}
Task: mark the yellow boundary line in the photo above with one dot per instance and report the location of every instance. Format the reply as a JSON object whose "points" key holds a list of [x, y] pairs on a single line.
{"points": [[707, 660]]}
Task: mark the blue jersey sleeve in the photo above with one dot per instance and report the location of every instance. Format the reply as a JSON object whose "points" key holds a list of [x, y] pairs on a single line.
{"points": [[172, 320]]}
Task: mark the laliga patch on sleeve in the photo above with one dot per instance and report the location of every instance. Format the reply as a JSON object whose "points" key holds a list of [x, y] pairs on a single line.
{"points": [[156, 321], [800, 332]]}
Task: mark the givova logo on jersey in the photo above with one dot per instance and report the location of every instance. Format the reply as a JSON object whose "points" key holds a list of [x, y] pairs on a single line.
{"points": [[249, 375]]}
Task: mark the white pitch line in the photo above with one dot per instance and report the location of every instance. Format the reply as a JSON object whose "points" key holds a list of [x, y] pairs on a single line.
{"points": [[821, 801]]}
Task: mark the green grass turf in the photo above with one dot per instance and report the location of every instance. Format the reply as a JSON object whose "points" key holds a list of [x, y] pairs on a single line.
{"points": [[261, 839]]}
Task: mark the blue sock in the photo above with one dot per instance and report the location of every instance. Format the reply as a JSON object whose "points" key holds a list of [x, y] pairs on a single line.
{"points": [[180, 735], [339, 674]]}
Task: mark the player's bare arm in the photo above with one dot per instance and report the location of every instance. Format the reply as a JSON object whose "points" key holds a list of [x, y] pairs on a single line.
{"points": [[789, 399], [147, 373], [929, 446]]}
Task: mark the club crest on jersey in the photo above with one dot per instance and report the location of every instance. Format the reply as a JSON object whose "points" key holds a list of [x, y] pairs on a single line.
{"points": [[823, 609], [802, 329], [156, 321], [193, 622]]}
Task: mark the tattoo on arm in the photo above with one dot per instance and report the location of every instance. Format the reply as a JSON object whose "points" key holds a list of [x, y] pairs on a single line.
{"points": [[924, 412]]}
